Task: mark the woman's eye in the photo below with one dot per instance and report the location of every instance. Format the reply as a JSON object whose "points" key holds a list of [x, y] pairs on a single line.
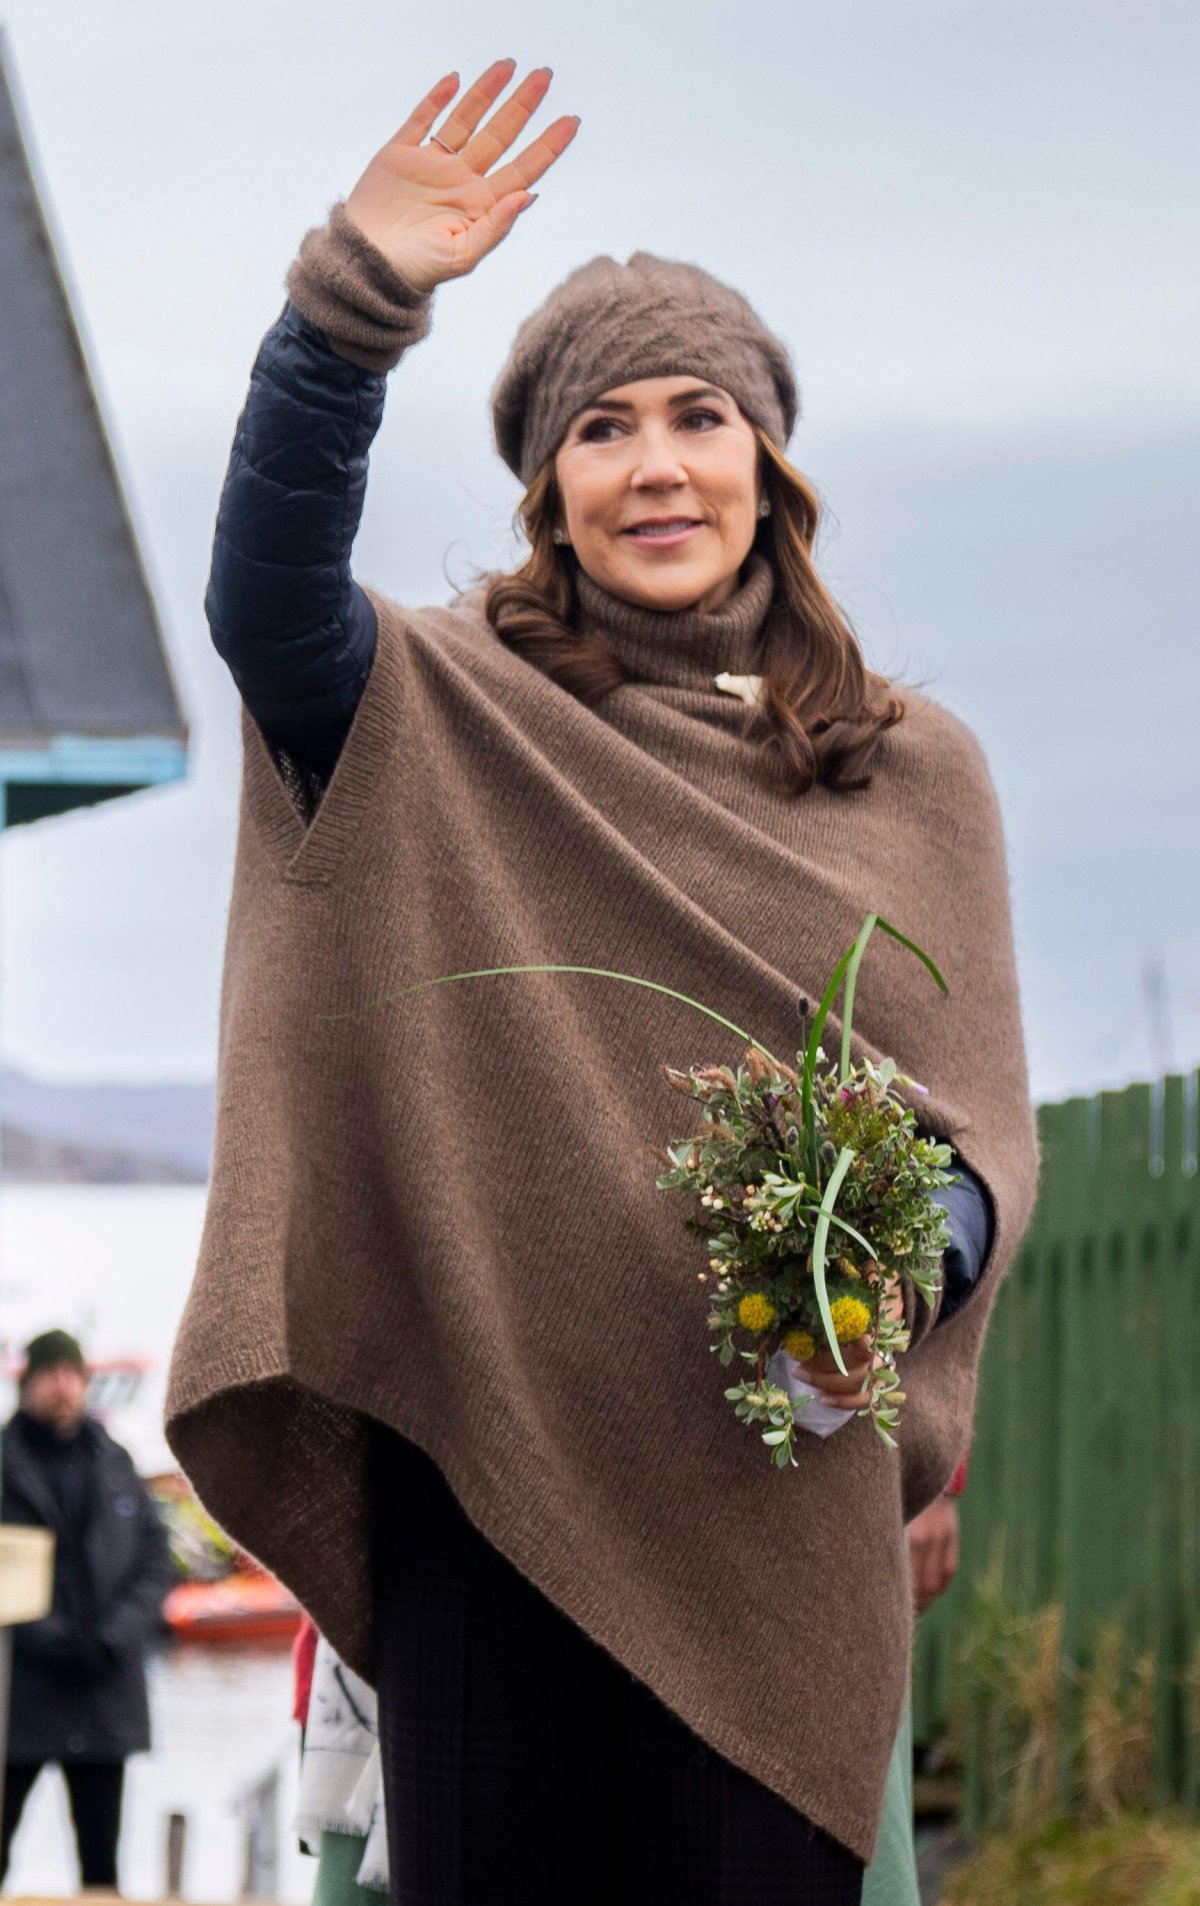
{"points": [[589, 431]]}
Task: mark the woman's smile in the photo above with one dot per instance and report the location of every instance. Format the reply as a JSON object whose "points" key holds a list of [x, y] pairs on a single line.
{"points": [[667, 533]]}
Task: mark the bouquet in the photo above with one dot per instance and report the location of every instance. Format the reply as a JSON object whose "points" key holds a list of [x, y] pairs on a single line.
{"points": [[811, 1186]]}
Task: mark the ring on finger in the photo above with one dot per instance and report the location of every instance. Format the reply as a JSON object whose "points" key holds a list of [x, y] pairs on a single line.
{"points": [[435, 141]]}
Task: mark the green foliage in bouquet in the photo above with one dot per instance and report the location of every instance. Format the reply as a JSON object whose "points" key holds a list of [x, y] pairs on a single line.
{"points": [[786, 1159], [769, 1218], [812, 1189]]}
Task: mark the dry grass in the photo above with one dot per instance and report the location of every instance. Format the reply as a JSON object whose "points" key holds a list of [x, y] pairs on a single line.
{"points": [[1133, 1861], [1117, 1716], [1037, 1696], [1192, 1683], [1047, 1736]]}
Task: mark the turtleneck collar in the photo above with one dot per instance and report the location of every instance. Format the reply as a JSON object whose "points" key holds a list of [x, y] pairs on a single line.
{"points": [[683, 648]]}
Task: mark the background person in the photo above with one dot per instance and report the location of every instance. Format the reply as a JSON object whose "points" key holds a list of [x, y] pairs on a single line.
{"points": [[79, 1674]]}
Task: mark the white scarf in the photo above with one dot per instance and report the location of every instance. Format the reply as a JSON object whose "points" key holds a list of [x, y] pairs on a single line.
{"points": [[341, 1783]]}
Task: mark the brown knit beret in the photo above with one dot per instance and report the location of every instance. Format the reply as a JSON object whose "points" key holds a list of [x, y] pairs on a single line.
{"points": [[607, 324]]}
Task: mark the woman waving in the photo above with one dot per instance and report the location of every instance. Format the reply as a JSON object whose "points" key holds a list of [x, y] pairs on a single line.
{"points": [[443, 1365]]}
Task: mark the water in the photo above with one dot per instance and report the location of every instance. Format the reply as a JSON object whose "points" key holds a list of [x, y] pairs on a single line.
{"points": [[113, 1262]]}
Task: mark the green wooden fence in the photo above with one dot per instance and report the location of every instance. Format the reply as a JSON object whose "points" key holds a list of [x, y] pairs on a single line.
{"points": [[1085, 1468]]}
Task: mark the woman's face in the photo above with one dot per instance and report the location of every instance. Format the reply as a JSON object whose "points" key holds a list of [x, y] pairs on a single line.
{"points": [[661, 449]]}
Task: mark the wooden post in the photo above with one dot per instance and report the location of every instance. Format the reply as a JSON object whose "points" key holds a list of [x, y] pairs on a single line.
{"points": [[5, 1688], [260, 1811], [176, 1846]]}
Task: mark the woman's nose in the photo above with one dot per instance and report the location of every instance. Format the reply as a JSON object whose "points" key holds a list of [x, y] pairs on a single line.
{"points": [[657, 462]]}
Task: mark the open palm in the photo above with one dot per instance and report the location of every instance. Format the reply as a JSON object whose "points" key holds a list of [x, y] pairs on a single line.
{"points": [[435, 214]]}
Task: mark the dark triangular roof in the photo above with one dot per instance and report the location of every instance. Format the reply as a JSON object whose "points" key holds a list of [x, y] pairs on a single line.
{"points": [[88, 706]]}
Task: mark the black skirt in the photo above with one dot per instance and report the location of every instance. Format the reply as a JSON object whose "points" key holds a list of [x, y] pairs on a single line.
{"points": [[522, 1763]]}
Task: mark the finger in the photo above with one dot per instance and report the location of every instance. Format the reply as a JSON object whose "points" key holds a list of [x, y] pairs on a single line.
{"points": [[939, 1575], [528, 166], [928, 1573], [419, 121], [857, 1350], [486, 231], [830, 1378], [951, 1561], [849, 1396], [836, 1385], [506, 122], [457, 129], [854, 1355], [828, 1372], [920, 1592]]}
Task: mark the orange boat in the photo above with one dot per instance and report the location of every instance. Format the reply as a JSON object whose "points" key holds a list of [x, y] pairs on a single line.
{"points": [[249, 1605]]}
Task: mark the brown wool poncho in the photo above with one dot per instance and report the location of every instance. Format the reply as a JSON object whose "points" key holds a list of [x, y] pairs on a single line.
{"points": [[442, 1213]]}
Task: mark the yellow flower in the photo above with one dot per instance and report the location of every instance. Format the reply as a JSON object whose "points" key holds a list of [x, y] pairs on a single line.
{"points": [[800, 1344], [850, 1318], [756, 1312]]}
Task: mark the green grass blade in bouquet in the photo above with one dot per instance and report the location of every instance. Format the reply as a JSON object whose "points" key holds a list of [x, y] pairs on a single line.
{"points": [[601, 972], [820, 1236]]}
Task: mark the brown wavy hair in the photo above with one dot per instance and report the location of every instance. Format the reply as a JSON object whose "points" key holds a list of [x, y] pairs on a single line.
{"points": [[823, 709]]}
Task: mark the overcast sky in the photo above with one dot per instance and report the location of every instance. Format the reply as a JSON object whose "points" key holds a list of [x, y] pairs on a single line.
{"points": [[974, 227]]}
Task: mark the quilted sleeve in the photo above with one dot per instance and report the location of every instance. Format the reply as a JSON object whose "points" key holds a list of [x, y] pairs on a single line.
{"points": [[296, 631], [969, 1212], [286, 615]]}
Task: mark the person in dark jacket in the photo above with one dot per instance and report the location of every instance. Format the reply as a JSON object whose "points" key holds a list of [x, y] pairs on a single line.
{"points": [[79, 1674]]}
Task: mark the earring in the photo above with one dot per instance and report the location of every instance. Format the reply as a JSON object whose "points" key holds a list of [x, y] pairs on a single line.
{"points": [[764, 508], [560, 535]]}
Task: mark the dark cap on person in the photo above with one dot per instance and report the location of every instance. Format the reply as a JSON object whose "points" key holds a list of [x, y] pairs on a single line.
{"points": [[52, 1349]]}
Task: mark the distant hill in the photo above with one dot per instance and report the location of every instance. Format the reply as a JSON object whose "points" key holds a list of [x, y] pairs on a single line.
{"points": [[103, 1134]]}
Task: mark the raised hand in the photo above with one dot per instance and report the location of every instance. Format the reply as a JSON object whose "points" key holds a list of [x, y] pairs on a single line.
{"points": [[435, 214]]}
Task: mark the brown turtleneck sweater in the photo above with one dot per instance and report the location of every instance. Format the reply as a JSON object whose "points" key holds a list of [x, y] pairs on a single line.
{"points": [[441, 1212]]}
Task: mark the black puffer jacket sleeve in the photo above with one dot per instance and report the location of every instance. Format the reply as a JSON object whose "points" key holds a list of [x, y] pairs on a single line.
{"points": [[285, 613], [972, 1227]]}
